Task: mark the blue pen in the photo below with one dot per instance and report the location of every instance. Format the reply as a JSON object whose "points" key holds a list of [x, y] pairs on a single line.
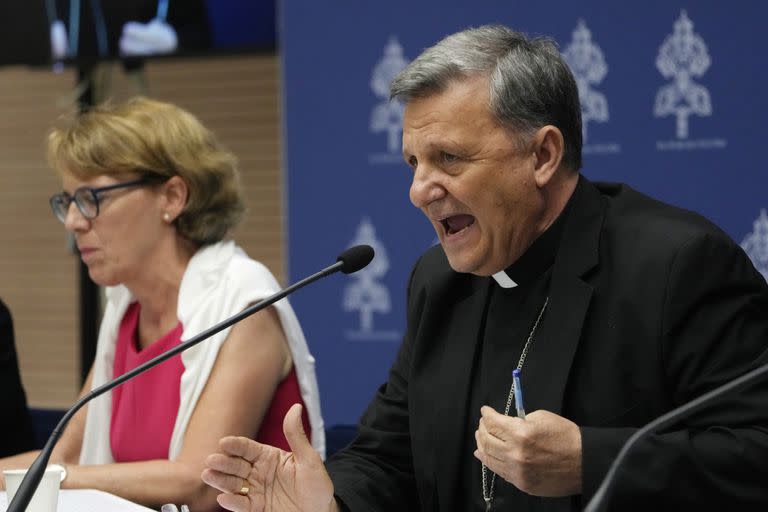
{"points": [[162, 10], [518, 394]]}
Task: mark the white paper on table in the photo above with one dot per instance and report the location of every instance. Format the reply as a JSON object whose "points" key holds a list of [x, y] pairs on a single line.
{"points": [[88, 500]]}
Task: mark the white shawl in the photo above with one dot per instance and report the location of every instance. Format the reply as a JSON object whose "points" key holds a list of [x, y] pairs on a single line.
{"points": [[220, 281]]}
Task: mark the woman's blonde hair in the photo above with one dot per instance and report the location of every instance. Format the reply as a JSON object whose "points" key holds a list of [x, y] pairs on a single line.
{"points": [[155, 140]]}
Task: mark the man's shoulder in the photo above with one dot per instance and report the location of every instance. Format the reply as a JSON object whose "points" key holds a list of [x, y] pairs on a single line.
{"points": [[635, 218]]}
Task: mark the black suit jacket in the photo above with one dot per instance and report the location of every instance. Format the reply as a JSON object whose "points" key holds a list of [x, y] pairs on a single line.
{"points": [[650, 306], [16, 433]]}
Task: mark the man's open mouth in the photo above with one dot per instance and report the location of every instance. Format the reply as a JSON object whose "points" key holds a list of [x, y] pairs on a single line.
{"points": [[456, 223]]}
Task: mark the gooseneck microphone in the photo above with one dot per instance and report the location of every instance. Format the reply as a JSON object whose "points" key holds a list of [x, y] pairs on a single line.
{"points": [[600, 497], [351, 260]]}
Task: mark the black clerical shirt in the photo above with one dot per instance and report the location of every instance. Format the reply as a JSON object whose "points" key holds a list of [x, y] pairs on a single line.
{"points": [[510, 315]]}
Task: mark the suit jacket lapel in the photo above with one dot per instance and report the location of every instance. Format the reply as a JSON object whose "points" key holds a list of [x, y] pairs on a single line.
{"points": [[459, 350], [549, 363]]}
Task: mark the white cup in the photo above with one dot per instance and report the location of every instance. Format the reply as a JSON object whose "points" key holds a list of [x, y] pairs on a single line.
{"points": [[46, 497]]}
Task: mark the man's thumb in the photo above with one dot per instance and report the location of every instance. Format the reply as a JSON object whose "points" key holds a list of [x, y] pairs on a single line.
{"points": [[293, 428]]}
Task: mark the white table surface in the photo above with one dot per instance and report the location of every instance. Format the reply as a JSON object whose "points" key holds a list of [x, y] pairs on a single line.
{"points": [[88, 500]]}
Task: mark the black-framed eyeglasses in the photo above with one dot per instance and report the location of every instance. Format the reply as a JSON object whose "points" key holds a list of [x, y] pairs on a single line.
{"points": [[87, 199]]}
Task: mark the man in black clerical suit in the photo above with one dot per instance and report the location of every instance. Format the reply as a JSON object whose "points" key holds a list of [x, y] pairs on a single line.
{"points": [[16, 433], [616, 308], [98, 29]]}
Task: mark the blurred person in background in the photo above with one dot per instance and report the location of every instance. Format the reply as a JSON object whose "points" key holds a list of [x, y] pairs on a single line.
{"points": [[87, 31], [149, 196], [16, 433]]}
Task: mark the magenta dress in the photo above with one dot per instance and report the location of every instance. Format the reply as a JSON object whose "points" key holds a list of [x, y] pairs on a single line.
{"points": [[144, 409]]}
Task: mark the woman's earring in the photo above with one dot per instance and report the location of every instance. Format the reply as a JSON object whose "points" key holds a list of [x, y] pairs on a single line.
{"points": [[167, 217]]}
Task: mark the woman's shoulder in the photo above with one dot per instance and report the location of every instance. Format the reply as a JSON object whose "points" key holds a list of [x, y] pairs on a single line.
{"points": [[224, 268], [250, 271]]}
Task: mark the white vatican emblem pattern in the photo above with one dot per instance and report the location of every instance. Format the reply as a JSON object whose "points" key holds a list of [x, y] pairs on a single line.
{"points": [[755, 244], [387, 116], [366, 294]]}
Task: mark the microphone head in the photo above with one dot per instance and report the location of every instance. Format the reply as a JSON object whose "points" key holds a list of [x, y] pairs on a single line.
{"points": [[355, 258]]}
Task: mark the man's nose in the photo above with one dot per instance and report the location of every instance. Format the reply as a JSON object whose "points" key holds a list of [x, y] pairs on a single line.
{"points": [[425, 187]]}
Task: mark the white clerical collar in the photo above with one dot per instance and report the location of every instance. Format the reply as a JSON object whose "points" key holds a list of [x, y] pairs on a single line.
{"points": [[504, 280]]}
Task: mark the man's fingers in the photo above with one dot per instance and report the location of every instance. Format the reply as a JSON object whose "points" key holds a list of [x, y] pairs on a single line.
{"points": [[293, 428], [243, 447], [491, 446], [488, 429], [237, 503], [224, 482], [229, 464], [505, 428]]}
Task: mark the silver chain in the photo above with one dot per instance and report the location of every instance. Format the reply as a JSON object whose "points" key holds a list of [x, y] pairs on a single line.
{"points": [[488, 494]]}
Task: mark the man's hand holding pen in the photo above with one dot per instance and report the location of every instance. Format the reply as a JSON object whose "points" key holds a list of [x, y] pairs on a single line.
{"points": [[540, 455]]}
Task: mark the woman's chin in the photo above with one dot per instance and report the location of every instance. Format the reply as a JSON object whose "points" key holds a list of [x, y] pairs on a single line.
{"points": [[100, 278]]}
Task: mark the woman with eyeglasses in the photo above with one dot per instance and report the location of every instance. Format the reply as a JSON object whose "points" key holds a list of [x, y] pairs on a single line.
{"points": [[149, 196]]}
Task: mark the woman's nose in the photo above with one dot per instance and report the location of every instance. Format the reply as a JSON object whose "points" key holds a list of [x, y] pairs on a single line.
{"points": [[74, 220]]}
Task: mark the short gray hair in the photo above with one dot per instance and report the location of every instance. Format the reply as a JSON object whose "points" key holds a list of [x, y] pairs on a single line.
{"points": [[531, 85], [155, 140]]}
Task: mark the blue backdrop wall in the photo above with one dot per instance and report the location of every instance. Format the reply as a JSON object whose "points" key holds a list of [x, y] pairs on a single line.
{"points": [[674, 104]]}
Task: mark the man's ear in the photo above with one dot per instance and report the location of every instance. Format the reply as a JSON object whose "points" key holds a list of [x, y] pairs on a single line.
{"points": [[175, 194], [548, 149]]}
